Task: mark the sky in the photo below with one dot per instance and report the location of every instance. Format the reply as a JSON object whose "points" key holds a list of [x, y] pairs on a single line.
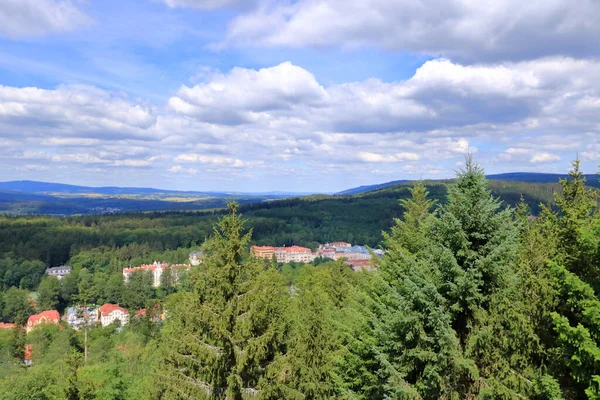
{"points": [[299, 95]]}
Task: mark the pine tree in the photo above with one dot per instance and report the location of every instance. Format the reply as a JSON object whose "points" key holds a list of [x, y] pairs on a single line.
{"points": [[221, 339]]}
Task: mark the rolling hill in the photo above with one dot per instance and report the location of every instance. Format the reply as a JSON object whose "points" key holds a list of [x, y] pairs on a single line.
{"points": [[593, 180]]}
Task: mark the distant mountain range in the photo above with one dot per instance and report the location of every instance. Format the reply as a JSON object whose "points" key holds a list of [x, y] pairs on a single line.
{"points": [[47, 188], [31, 197], [593, 180]]}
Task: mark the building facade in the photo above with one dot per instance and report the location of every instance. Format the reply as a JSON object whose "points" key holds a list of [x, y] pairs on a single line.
{"points": [[58, 272], [284, 254], [109, 313], [78, 317], [156, 269], [45, 317], [196, 258]]}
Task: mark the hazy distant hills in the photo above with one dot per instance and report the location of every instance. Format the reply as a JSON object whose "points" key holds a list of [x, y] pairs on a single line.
{"points": [[47, 187], [593, 180], [32, 197]]}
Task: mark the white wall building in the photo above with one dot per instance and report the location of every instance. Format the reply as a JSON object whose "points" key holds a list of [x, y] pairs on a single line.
{"points": [[109, 313], [156, 269]]}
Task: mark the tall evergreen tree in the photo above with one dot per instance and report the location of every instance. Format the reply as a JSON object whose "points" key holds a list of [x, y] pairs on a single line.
{"points": [[220, 340], [480, 239], [577, 229]]}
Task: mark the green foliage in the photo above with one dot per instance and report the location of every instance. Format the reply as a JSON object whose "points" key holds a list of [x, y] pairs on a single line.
{"points": [[49, 293], [17, 306], [472, 299], [221, 339]]}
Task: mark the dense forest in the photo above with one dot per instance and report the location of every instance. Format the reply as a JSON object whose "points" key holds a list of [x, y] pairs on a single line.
{"points": [[486, 290]]}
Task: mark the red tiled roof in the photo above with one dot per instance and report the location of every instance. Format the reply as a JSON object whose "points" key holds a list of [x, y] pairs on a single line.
{"points": [[51, 316], [141, 313], [4, 325], [263, 248], [297, 249], [107, 308], [359, 263], [178, 266]]}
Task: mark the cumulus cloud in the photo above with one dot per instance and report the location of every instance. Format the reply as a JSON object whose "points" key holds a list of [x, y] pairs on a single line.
{"points": [[211, 4], [79, 110], [524, 155], [441, 95], [210, 159], [28, 18], [461, 29], [179, 169], [380, 158], [245, 95], [281, 119]]}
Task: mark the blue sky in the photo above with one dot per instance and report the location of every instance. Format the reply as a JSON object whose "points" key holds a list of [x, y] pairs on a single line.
{"points": [[305, 95]]}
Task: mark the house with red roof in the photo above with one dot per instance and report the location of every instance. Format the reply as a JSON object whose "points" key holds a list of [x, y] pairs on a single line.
{"points": [[45, 317], [109, 313], [284, 254], [4, 325]]}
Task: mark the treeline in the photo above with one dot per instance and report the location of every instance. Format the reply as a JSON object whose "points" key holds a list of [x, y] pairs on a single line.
{"points": [[306, 221], [472, 300]]}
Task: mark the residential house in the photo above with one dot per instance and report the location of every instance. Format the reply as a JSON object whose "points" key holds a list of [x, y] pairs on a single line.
{"points": [[4, 325], [45, 317], [58, 272], [109, 313]]}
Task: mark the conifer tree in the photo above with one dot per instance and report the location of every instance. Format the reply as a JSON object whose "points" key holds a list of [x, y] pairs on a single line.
{"points": [[421, 353], [221, 339], [578, 245], [480, 239]]}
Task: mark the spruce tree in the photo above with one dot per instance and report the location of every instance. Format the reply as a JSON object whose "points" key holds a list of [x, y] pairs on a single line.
{"points": [[220, 340], [420, 353], [577, 229], [479, 244]]}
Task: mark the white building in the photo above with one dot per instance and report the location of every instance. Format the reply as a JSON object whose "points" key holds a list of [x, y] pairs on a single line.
{"points": [[156, 269], [109, 313], [78, 317], [58, 272], [196, 257]]}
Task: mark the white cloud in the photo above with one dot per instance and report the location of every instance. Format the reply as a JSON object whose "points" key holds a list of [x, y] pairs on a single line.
{"points": [[528, 155], [180, 169], [461, 29], [208, 159], [79, 110], [28, 18], [253, 121], [544, 158], [380, 158], [246, 96], [210, 4]]}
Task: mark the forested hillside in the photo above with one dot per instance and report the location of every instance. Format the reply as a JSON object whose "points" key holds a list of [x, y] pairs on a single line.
{"points": [[472, 299]]}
